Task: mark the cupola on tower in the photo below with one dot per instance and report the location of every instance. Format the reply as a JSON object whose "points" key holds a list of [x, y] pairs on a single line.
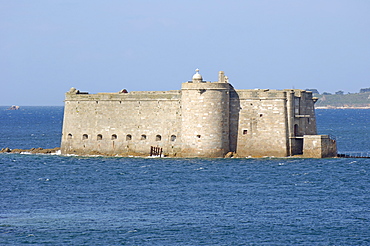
{"points": [[197, 78]]}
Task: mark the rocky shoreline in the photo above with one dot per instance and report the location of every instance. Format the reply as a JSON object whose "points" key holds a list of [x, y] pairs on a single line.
{"points": [[32, 150]]}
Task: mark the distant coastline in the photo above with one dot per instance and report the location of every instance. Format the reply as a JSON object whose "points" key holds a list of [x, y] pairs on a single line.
{"points": [[343, 101]]}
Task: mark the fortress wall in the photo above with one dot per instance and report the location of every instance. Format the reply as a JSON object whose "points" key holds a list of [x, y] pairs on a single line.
{"points": [[262, 123], [301, 118], [116, 117], [205, 121], [306, 116], [303, 112]]}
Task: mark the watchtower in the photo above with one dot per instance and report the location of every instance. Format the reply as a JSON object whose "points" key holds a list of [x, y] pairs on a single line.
{"points": [[205, 117]]}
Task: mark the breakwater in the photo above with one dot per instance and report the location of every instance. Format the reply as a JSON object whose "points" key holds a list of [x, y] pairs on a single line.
{"points": [[354, 154]]}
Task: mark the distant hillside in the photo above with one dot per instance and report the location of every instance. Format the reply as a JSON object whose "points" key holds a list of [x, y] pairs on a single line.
{"points": [[353, 100]]}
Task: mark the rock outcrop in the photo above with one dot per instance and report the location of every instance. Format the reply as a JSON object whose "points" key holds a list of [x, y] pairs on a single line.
{"points": [[32, 150]]}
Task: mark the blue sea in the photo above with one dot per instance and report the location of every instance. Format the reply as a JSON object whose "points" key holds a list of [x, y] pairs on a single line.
{"points": [[69, 200]]}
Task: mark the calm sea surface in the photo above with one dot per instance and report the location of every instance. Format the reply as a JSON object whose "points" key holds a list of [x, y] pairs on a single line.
{"points": [[60, 200]]}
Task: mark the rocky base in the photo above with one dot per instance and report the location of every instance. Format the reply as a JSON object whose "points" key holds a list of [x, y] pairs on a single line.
{"points": [[33, 150]]}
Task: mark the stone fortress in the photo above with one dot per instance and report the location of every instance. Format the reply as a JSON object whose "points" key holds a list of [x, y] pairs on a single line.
{"points": [[203, 119]]}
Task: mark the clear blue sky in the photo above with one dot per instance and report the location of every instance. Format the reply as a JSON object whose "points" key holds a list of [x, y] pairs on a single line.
{"points": [[47, 47]]}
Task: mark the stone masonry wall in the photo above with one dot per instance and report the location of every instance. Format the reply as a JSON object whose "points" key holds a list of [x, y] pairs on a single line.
{"points": [[301, 119], [262, 123], [319, 146], [123, 124]]}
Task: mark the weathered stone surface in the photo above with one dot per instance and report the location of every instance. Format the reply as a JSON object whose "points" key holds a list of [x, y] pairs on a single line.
{"points": [[203, 119], [319, 146]]}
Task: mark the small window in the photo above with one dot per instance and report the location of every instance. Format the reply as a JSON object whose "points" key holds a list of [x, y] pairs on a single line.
{"points": [[245, 132], [114, 137], [143, 137], [198, 136], [85, 136], [99, 137], [261, 115], [158, 138], [69, 136], [128, 137], [173, 138]]}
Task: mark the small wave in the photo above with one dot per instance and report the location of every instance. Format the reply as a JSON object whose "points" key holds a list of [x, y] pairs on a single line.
{"points": [[70, 155], [25, 153], [43, 179], [31, 153], [58, 152]]}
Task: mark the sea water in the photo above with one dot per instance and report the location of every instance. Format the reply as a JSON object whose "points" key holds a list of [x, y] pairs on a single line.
{"points": [[66, 200]]}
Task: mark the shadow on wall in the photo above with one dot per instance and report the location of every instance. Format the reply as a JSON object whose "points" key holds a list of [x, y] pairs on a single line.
{"points": [[234, 119]]}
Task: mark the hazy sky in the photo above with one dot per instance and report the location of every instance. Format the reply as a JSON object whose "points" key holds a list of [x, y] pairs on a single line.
{"points": [[47, 47]]}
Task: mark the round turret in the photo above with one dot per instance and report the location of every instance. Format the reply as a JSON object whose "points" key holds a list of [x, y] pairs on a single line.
{"points": [[205, 118]]}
